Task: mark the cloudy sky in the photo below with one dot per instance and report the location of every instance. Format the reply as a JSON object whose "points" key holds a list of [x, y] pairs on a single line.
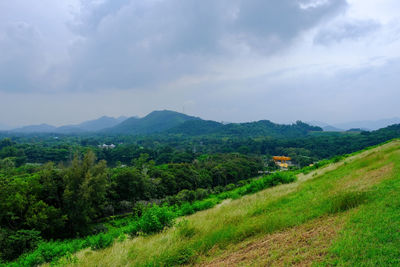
{"points": [[67, 61]]}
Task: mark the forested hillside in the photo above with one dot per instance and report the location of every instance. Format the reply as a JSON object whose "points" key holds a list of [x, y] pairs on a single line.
{"points": [[178, 148]]}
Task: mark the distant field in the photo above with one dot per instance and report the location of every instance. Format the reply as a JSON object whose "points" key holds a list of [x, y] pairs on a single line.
{"points": [[347, 213]]}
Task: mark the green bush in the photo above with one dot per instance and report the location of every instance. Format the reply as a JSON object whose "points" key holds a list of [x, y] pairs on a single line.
{"points": [[154, 219], [205, 204], [138, 209], [186, 209], [100, 241]]}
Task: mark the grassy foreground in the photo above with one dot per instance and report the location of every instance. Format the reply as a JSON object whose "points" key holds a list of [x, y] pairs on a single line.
{"points": [[347, 213]]}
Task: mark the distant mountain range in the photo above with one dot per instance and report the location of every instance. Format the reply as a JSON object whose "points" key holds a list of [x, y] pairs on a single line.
{"points": [[4, 127], [171, 122], [368, 125], [87, 126], [363, 125]]}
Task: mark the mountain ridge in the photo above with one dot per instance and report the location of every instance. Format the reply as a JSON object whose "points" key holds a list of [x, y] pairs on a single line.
{"points": [[366, 125], [172, 122], [86, 126], [156, 121]]}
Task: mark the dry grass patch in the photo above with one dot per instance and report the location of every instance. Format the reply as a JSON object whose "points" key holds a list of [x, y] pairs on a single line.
{"points": [[298, 246], [367, 179]]}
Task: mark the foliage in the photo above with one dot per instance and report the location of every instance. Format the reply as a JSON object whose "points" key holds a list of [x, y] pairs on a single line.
{"points": [[15, 243], [155, 219], [144, 220], [100, 241]]}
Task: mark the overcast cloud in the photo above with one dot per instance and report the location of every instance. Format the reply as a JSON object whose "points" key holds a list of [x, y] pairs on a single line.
{"points": [[228, 60]]}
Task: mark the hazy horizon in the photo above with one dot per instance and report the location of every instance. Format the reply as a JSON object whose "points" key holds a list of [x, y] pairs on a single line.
{"points": [[312, 122], [332, 61]]}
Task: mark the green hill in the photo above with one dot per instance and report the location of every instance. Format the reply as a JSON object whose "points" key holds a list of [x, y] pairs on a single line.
{"points": [[168, 122], [346, 213], [248, 129], [156, 121]]}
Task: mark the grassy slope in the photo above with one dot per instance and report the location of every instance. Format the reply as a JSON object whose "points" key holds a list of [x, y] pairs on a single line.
{"points": [[346, 214]]}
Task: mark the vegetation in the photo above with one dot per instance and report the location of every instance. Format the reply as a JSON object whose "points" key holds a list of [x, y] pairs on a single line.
{"points": [[61, 194], [297, 141], [353, 201], [44, 202], [148, 220]]}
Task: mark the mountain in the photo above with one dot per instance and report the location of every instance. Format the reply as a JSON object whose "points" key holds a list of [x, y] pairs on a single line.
{"points": [[41, 128], [251, 129], [156, 121], [318, 123], [87, 126], [100, 124], [331, 129], [368, 124], [197, 127], [4, 127], [171, 122], [325, 126]]}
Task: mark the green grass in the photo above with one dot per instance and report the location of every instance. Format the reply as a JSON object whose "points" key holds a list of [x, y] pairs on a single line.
{"points": [[372, 235], [363, 189]]}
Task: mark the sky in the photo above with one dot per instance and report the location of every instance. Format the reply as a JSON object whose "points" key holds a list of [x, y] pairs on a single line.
{"points": [[68, 61]]}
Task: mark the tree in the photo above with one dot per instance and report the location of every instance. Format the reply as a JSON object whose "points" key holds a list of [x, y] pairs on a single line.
{"points": [[84, 196]]}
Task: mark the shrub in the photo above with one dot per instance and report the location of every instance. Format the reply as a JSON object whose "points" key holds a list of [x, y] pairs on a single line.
{"points": [[205, 204], [132, 229], [186, 209], [154, 219], [230, 187], [201, 193], [138, 209], [100, 241], [99, 228], [186, 195]]}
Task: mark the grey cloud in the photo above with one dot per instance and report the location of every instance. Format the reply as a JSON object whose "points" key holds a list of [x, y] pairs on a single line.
{"points": [[282, 21], [124, 44], [130, 44], [346, 30], [370, 92], [21, 57]]}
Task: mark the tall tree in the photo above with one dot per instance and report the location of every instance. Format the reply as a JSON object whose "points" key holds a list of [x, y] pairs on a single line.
{"points": [[84, 197]]}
